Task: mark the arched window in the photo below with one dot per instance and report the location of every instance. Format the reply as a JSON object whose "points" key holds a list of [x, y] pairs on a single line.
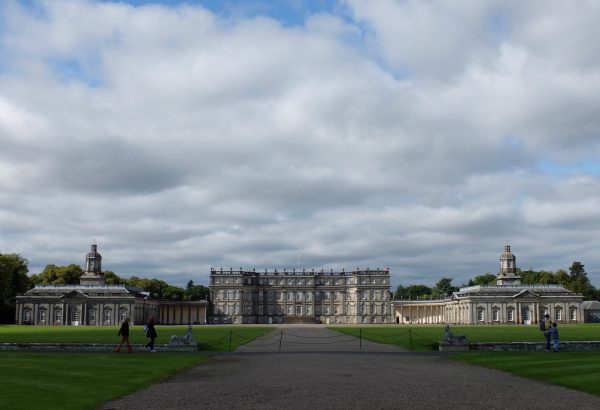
{"points": [[58, 315], [480, 314], [75, 316], [558, 314], [496, 314], [42, 315], [107, 316], [573, 314]]}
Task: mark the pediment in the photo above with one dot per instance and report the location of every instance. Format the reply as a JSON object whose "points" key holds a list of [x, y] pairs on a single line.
{"points": [[74, 294], [526, 293]]}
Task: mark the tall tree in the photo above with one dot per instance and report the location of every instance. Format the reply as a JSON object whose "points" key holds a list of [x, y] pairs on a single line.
{"points": [[443, 288], [13, 280], [485, 279]]}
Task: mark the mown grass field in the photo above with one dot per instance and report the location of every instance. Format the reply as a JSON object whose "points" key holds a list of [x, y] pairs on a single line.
{"points": [[86, 380], [81, 380], [210, 338], [425, 338], [575, 370]]}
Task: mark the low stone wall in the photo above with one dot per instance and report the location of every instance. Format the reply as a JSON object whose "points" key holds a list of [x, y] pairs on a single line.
{"points": [[91, 347], [537, 346], [579, 346]]}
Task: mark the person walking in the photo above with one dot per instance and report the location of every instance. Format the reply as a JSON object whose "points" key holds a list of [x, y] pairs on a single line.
{"points": [[545, 326], [554, 336], [124, 333], [150, 333]]}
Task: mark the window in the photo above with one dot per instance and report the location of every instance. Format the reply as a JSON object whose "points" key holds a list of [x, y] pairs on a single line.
{"points": [[557, 314], [510, 316], [57, 315], [289, 310], [27, 315], [299, 296], [327, 310], [42, 315], [75, 316], [480, 313], [122, 314], [309, 296], [107, 315], [495, 315], [92, 315], [573, 313], [290, 296], [235, 309], [298, 310], [308, 310]]}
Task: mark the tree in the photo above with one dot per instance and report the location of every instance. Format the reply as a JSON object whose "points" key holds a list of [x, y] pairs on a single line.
{"points": [[13, 280], [579, 282], [412, 292], [485, 279], [111, 278], [196, 292], [58, 275], [443, 288], [173, 293]]}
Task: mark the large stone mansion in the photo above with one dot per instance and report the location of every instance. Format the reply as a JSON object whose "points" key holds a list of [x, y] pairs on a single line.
{"points": [[360, 296], [300, 296]]}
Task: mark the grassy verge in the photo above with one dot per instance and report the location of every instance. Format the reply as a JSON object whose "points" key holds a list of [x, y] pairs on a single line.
{"points": [[212, 338], [80, 380], [424, 338], [575, 370]]}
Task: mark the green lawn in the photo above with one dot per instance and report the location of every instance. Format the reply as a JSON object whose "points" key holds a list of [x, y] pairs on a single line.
{"points": [[80, 380], [214, 338], [576, 370], [424, 338]]}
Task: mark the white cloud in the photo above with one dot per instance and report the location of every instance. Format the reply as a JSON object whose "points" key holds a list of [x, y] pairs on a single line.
{"points": [[403, 134]]}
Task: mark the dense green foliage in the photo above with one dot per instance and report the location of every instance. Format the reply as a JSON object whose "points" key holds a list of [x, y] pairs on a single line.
{"points": [[576, 370], [13, 280], [81, 380], [426, 337]]}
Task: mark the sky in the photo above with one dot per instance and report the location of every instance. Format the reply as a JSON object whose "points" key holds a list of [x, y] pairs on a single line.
{"points": [[421, 136]]}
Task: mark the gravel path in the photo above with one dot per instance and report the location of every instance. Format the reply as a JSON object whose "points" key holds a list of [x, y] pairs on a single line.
{"points": [[321, 375]]}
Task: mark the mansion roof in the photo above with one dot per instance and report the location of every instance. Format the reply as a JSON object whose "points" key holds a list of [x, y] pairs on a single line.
{"points": [[89, 290]]}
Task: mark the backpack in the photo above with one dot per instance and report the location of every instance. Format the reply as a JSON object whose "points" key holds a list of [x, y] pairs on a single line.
{"points": [[543, 325]]}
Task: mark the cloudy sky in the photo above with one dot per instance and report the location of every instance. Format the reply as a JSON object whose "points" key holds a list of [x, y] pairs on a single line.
{"points": [[415, 135]]}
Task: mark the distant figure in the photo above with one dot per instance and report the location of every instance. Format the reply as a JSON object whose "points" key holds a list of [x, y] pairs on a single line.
{"points": [[545, 326], [124, 333], [151, 333], [554, 336]]}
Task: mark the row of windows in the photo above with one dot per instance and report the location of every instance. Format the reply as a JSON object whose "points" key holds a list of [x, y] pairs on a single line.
{"points": [[75, 315], [301, 296], [510, 314], [300, 281], [299, 309]]}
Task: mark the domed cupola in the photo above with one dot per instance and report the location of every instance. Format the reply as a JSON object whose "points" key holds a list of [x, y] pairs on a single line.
{"points": [[93, 268], [93, 261], [508, 268]]}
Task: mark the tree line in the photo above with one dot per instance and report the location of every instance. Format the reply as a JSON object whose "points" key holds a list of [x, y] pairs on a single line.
{"points": [[575, 280], [14, 280]]}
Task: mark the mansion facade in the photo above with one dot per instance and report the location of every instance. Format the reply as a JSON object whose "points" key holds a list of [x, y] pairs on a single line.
{"points": [[300, 296], [508, 302], [360, 296], [93, 303]]}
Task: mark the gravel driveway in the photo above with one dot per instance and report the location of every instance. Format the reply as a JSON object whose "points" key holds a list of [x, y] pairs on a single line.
{"points": [[311, 371]]}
